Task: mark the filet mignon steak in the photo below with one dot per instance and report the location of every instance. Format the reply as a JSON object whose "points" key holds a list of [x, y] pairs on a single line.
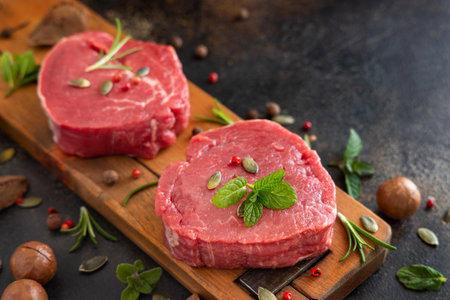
{"points": [[137, 122], [201, 234]]}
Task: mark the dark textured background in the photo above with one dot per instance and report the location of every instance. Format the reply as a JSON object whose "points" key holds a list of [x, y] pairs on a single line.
{"points": [[381, 67]]}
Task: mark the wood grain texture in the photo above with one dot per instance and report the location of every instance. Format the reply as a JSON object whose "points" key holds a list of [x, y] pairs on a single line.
{"points": [[23, 119]]}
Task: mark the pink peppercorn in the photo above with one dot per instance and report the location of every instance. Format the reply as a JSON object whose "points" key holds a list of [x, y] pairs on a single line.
{"points": [[52, 210], [287, 295], [135, 173], [117, 77], [307, 125], [235, 160], [126, 86], [213, 77], [136, 79]]}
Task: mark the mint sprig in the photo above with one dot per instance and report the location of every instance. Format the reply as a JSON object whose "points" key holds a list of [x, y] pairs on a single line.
{"points": [[19, 70], [270, 191], [352, 167], [138, 280]]}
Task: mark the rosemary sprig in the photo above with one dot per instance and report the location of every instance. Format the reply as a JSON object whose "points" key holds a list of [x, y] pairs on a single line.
{"points": [[136, 190], [86, 225], [358, 243], [222, 117], [110, 56]]}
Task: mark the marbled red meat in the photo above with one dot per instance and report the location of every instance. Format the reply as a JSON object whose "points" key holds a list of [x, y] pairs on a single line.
{"points": [[137, 122], [201, 234]]}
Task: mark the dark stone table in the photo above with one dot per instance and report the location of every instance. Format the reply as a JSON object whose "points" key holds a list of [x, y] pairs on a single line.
{"points": [[380, 67]]}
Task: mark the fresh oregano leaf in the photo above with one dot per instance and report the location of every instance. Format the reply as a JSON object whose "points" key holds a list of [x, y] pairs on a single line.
{"points": [[281, 197], [142, 286], [252, 213], [362, 168], [139, 265], [270, 181], [129, 293], [151, 276], [354, 146], [353, 184], [230, 193], [125, 270], [420, 277]]}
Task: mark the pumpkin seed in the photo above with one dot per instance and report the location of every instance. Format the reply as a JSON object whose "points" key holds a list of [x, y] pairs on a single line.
{"points": [[428, 236], [93, 264], [29, 202], [142, 71], [80, 82], [447, 216], [240, 210], [250, 165], [265, 294], [214, 180], [369, 224], [284, 119], [7, 154], [159, 297], [106, 87]]}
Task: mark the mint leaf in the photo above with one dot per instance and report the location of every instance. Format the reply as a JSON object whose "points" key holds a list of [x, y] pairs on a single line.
{"points": [[252, 213], [151, 276], [270, 181], [129, 294], [283, 196], [354, 146], [353, 184], [307, 140], [142, 286], [7, 65], [139, 265], [230, 193], [125, 270], [362, 168], [420, 277]]}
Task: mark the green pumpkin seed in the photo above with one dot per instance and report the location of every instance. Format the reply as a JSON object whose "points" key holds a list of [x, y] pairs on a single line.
{"points": [[265, 294], [93, 264], [240, 210], [369, 224], [284, 119], [29, 202], [7, 154], [159, 297], [428, 236], [214, 180], [447, 216], [80, 82], [250, 165], [142, 71], [106, 87]]}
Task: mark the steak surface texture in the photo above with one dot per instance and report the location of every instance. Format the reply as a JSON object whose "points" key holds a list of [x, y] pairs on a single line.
{"points": [[137, 121], [201, 234]]}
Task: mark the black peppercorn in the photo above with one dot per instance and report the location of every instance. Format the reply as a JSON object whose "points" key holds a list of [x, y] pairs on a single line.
{"points": [[272, 109]]}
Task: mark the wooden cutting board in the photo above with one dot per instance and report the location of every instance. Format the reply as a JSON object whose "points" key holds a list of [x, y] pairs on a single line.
{"points": [[23, 119]]}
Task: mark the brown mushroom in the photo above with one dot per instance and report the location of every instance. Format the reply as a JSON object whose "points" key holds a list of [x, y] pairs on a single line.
{"points": [[33, 260], [24, 289], [398, 198]]}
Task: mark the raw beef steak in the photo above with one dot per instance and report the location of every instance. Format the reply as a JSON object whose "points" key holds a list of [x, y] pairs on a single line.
{"points": [[137, 121], [201, 234]]}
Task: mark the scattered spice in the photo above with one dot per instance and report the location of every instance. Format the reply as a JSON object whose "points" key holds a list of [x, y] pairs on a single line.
{"points": [[243, 14], [201, 51], [125, 87], [135, 173], [136, 190], [176, 42], [250, 165], [6, 155], [86, 225], [398, 198], [420, 277], [307, 126], [196, 130], [93, 264], [52, 210], [29, 202], [11, 187], [8, 31], [213, 77], [117, 77], [428, 236], [287, 295], [106, 87], [252, 114], [313, 138], [369, 224], [222, 117], [64, 226], [80, 82], [265, 294], [307, 140], [272, 109], [284, 119], [1, 264], [235, 160], [19, 200], [143, 72], [54, 221], [214, 180], [69, 223], [447, 216], [136, 80], [110, 177], [316, 272], [430, 201], [138, 280]]}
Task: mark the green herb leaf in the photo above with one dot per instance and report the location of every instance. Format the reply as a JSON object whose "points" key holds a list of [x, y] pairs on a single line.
{"points": [[151, 276], [281, 197], [125, 270], [269, 182], [129, 293], [353, 184], [137, 190], [18, 71], [252, 213], [7, 155], [7, 65], [139, 265], [230, 193], [354, 146], [142, 286], [420, 277], [362, 168], [222, 117]]}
